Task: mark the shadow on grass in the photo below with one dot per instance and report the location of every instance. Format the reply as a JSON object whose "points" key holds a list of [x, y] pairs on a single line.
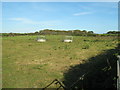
{"points": [[98, 72]]}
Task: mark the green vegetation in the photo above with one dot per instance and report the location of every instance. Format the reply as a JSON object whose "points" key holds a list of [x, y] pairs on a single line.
{"points": [[113, 32], [63, 32], [28, 63]]}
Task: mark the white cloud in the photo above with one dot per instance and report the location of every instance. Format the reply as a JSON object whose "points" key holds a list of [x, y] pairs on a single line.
{"points": [[82, 13], [23, 20], [29, 21], [16, 19]]}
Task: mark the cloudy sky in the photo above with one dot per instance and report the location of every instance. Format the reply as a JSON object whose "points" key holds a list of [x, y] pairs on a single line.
{"points": [[23, 17]]}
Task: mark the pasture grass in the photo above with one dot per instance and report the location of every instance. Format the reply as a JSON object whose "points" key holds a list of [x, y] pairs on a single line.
{"points": [[27, 63]]}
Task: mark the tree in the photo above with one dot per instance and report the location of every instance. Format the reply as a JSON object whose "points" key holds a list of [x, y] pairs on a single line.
{"points": [[90, 32], [113, 32]]}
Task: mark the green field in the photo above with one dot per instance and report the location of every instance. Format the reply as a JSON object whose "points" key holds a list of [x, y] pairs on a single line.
{"points": [[27, 63]]}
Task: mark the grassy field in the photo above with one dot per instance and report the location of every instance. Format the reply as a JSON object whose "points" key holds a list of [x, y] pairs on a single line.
{"points": [[27, 63]]}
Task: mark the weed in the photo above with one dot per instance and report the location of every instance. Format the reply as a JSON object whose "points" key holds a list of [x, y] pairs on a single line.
{"points": [[86, 47]]}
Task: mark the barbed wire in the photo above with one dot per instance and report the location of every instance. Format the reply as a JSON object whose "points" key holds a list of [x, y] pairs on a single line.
{"points": [[56, 81]]}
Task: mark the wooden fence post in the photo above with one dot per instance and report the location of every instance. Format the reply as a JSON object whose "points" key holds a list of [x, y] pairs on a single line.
{"points": [[118, 73]]}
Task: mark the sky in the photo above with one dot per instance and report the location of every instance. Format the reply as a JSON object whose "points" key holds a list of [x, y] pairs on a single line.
{"points": [[26, 17]]}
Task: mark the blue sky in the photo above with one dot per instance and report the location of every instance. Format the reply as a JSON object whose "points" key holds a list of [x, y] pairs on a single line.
{"points": [[22, 17]]}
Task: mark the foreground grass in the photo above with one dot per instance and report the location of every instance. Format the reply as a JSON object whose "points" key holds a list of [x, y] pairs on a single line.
{"points": [[27, 63]]}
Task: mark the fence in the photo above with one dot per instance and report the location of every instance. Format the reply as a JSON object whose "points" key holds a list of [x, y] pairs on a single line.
{"points": [[118, 73], [82, 78]]}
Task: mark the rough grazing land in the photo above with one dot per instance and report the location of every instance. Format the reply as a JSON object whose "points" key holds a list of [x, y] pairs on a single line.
{"points": [[27, 63]]}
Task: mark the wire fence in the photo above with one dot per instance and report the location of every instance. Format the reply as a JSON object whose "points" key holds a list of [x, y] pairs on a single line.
{"points": [[61, 85], [55, 82], [118, 73]]}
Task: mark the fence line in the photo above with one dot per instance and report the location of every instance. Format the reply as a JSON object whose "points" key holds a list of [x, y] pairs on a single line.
{"points": [[56, 82], [118, 73], [82, 78]]}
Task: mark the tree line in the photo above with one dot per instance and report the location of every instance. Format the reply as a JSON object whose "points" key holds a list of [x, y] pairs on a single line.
{"points": [[63, 32]]}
